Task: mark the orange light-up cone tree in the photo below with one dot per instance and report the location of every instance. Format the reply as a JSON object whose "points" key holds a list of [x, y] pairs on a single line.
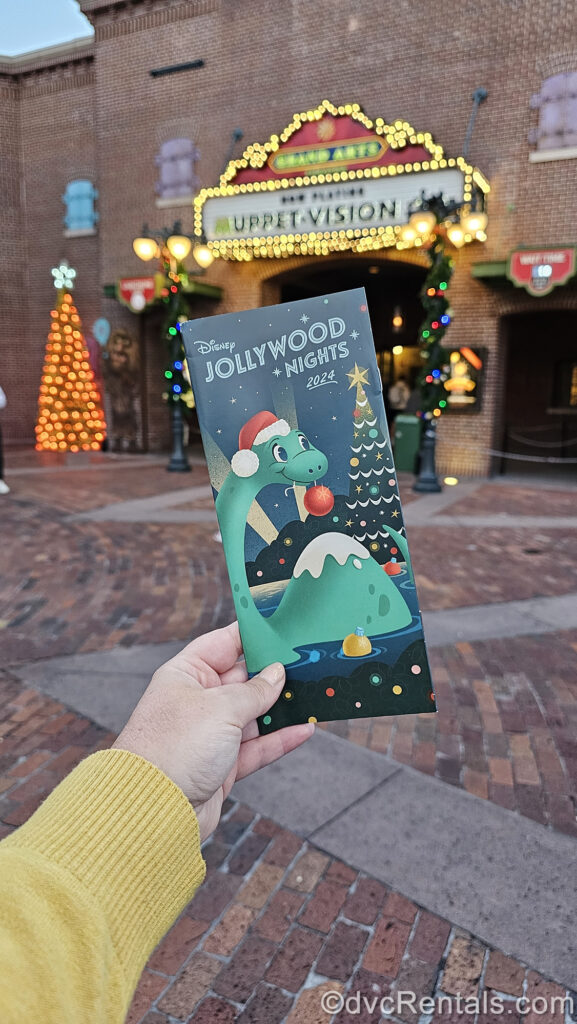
{"points": [[70, 416]]}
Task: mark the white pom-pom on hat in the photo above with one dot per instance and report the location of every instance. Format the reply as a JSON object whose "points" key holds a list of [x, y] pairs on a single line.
{"points": [[244, 463]]}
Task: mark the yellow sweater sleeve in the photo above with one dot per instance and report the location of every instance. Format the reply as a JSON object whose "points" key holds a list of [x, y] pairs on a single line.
{"points": [[88, 887]]}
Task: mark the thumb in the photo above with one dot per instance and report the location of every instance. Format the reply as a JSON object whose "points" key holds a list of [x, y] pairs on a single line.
{"points": [[245, 701]]}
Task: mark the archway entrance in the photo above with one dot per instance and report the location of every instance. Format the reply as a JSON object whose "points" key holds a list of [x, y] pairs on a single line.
{"points": [[540, 408], [392, 289]]}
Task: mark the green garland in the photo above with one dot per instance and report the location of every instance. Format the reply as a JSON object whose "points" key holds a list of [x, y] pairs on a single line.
{"points": [[437, 320]]}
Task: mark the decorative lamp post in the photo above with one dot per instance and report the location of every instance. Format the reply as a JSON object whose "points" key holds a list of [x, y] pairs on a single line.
{"points": [[171, 248]]}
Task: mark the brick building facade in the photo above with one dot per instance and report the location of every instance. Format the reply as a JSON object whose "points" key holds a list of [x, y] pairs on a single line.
{"points": [[92, 111]]}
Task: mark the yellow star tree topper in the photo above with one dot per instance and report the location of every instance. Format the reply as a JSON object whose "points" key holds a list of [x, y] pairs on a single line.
{"points": [[358, 376]]}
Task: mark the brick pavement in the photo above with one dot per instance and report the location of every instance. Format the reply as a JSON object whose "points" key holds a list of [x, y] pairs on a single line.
{"points": [[74, 586], [522, 499], [277, 922], [506, 729]]}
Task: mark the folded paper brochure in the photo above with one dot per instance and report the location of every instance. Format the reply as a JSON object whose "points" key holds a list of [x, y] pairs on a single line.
{"points": [[290, 407]]}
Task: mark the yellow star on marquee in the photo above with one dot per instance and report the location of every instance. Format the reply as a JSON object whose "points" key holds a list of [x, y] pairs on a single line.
{"points": [[357, 376]]}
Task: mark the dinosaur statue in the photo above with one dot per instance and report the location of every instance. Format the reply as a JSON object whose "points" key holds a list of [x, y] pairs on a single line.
{"points": [[336, 585]]}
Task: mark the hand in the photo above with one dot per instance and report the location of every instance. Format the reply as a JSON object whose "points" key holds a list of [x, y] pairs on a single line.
{"points": [[197, 722]]}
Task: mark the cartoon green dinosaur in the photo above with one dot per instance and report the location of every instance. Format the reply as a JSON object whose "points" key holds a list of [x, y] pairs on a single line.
{"points": [[336, 585]]}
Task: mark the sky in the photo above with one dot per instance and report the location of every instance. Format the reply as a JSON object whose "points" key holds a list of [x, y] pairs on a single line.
{"points": [[32, 24]]}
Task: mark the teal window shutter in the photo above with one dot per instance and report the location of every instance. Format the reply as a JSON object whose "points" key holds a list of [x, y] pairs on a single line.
{"points": [[79, 200]]}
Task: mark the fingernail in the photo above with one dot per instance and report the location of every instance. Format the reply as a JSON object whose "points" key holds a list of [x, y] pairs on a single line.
{"points": [[273, 673]]}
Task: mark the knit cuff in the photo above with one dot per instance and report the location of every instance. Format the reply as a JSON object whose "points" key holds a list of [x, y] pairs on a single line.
{"points": [[124, 830]]}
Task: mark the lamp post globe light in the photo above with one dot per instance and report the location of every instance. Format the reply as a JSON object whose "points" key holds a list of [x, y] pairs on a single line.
{"points": [[171, 248], [437, 224]]}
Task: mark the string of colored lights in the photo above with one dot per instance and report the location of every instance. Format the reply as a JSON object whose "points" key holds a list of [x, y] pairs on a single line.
{"points": [[437, 319], [177, 382], [70, 416]]}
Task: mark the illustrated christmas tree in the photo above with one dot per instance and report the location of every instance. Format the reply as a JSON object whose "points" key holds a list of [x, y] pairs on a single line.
{"points": [[373, 493], [70, 416]]}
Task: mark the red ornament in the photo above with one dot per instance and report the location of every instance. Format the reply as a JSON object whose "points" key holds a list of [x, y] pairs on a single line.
{"points": [[319, 500], [357, 413], [392, 568]]}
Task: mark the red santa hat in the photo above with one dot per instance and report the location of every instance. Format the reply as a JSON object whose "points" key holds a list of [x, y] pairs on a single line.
{"points": [[259, 429]]}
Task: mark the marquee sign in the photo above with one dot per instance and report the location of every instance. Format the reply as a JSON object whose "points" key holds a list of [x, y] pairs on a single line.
{"points": [[332, 180], [541, 270]]}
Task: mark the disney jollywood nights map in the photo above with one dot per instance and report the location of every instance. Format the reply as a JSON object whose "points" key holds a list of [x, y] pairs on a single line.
{"points": [[290, 406]]}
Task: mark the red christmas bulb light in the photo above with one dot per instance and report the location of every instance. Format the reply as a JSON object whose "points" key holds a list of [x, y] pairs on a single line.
{"points": [[319, 500]]}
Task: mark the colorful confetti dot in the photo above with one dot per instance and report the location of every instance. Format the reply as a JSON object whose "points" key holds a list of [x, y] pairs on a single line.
{"points": [[373, 433], [335, 519], [391, 483], [358, 704], [397, 689], [313, 719], [431, 695], [267, 720], [329, 691], [394, 551], [416, 670], [259, 572], [376, 679], [288, 695], [288, 541], [354, 461], [281, 561], [363, 522]]}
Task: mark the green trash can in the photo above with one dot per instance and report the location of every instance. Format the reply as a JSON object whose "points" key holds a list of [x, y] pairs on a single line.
{"points": [[407, 442]]}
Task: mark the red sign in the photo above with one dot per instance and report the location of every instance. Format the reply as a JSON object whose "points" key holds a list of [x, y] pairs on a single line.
{"points": [[333, 142], [139, 292], [541, 270]]}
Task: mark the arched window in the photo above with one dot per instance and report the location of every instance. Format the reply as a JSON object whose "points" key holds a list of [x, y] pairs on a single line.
{"points": [[80, 217], [557, 104], [176, 160]]}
